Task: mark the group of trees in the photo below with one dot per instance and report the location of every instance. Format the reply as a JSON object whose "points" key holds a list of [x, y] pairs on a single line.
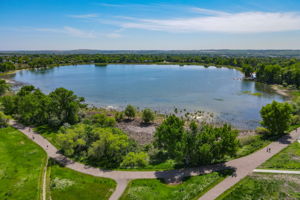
{"points": [[100, 145], [278, 70], [32, 107], [197, 145]]}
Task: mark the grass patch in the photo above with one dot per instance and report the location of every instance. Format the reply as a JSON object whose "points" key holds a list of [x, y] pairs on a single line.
{"points": [[21, 166], [251, 144], [253, 94], [288, 158], [69, 184], [155, 189], [264, 186]]}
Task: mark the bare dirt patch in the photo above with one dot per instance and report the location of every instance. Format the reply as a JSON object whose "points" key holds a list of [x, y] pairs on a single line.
{"points": [[135, 129]]}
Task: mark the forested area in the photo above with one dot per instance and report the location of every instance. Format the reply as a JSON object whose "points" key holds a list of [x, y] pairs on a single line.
{"points": [[271, 70]]}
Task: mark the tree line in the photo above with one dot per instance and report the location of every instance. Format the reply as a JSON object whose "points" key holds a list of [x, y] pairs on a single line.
{"points": [[278, 70]]}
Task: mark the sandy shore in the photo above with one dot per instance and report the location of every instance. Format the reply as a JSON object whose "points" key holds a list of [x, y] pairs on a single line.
{"points": [[280, 90]]}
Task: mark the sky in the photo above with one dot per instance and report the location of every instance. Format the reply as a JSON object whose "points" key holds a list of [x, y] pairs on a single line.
{"points": [[149, 25]]}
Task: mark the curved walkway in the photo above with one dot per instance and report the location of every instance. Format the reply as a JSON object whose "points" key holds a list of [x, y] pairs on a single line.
{"points": [[243, 166]]}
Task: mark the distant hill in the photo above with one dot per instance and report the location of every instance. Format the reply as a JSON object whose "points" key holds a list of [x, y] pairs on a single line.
{"points": [[221, 52]]}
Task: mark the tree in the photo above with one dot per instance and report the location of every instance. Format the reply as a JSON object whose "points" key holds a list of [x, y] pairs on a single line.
{"points": [[170, 136], [247, 69], [9, 104], [109, 149], [133, 160], [3, 120], [65, 106], [3, 87], [276, 117], [148, 115], [130, 111]]}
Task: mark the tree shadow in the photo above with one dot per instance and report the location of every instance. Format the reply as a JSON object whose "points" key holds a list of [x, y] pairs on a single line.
{"points": [[178, 175]]}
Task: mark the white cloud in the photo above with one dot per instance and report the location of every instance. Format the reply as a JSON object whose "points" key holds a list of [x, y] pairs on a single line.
{"points": [[245, 22], [85, 16], [69, 31]]}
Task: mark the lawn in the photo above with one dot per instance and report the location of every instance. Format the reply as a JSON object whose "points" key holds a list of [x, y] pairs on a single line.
{"points": [[68, 184], [288, 158], [265, 186], [21, 166], [155, 189]]}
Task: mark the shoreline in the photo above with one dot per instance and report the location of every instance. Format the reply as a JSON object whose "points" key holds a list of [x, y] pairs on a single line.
{"points": [[279, 89]]}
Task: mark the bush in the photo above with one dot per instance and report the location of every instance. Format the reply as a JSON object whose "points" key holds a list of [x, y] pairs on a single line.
{"points": [[104, 120], [130, 111], [119, 116], [133, 160], [3, 120], [148, 115]]}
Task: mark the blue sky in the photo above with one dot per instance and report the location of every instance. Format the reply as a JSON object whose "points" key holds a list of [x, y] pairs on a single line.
{"points": [[132, 24]]}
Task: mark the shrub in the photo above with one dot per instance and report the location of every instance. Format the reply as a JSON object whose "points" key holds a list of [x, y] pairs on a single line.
{"points": [[148, 115], [133, 160], [130, 111], [103, 120], [119, 116]]}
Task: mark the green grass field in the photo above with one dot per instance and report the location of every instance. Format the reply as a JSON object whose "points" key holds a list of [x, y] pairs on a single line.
{"points": [[68, 184], [288, 158], [154, 189], [21, 166], [265, 187]]}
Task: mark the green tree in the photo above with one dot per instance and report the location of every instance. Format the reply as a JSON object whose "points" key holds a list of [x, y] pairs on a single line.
{"points": [[134, 160], [65, 106], [3, 120], [148, 115], [9, 104], [3, 87], [276, 117], [247, 69], [130, 111], [109, 149], [170, 136]]}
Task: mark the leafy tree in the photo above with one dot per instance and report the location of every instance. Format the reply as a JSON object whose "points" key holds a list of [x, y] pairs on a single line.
{"points": [[109, 149], [7, 66], [65, 106], [247, 69], [134, 160], [3, 87], [148, 115], [130, 111], [9, 104], [3, 120], [170, 136], [276, 117]]}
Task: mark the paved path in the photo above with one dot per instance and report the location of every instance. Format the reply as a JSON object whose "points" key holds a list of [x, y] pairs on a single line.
{"points": [[276, 171], [243, 166], [247, 164]]}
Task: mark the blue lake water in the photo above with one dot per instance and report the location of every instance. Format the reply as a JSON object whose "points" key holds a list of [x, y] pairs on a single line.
{"points": [[161, 87]]}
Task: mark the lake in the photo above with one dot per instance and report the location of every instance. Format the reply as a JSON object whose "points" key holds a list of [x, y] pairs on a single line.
{"points": [[161, 87]]}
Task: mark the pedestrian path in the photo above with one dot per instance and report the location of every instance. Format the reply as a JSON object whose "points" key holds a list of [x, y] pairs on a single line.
{"points": [[243, 166]]}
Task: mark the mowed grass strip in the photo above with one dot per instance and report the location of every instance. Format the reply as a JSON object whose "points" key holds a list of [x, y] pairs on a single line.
{"points": [[69, 184], [21, 166], [265, 186], [189, 189], [288, 158]]}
